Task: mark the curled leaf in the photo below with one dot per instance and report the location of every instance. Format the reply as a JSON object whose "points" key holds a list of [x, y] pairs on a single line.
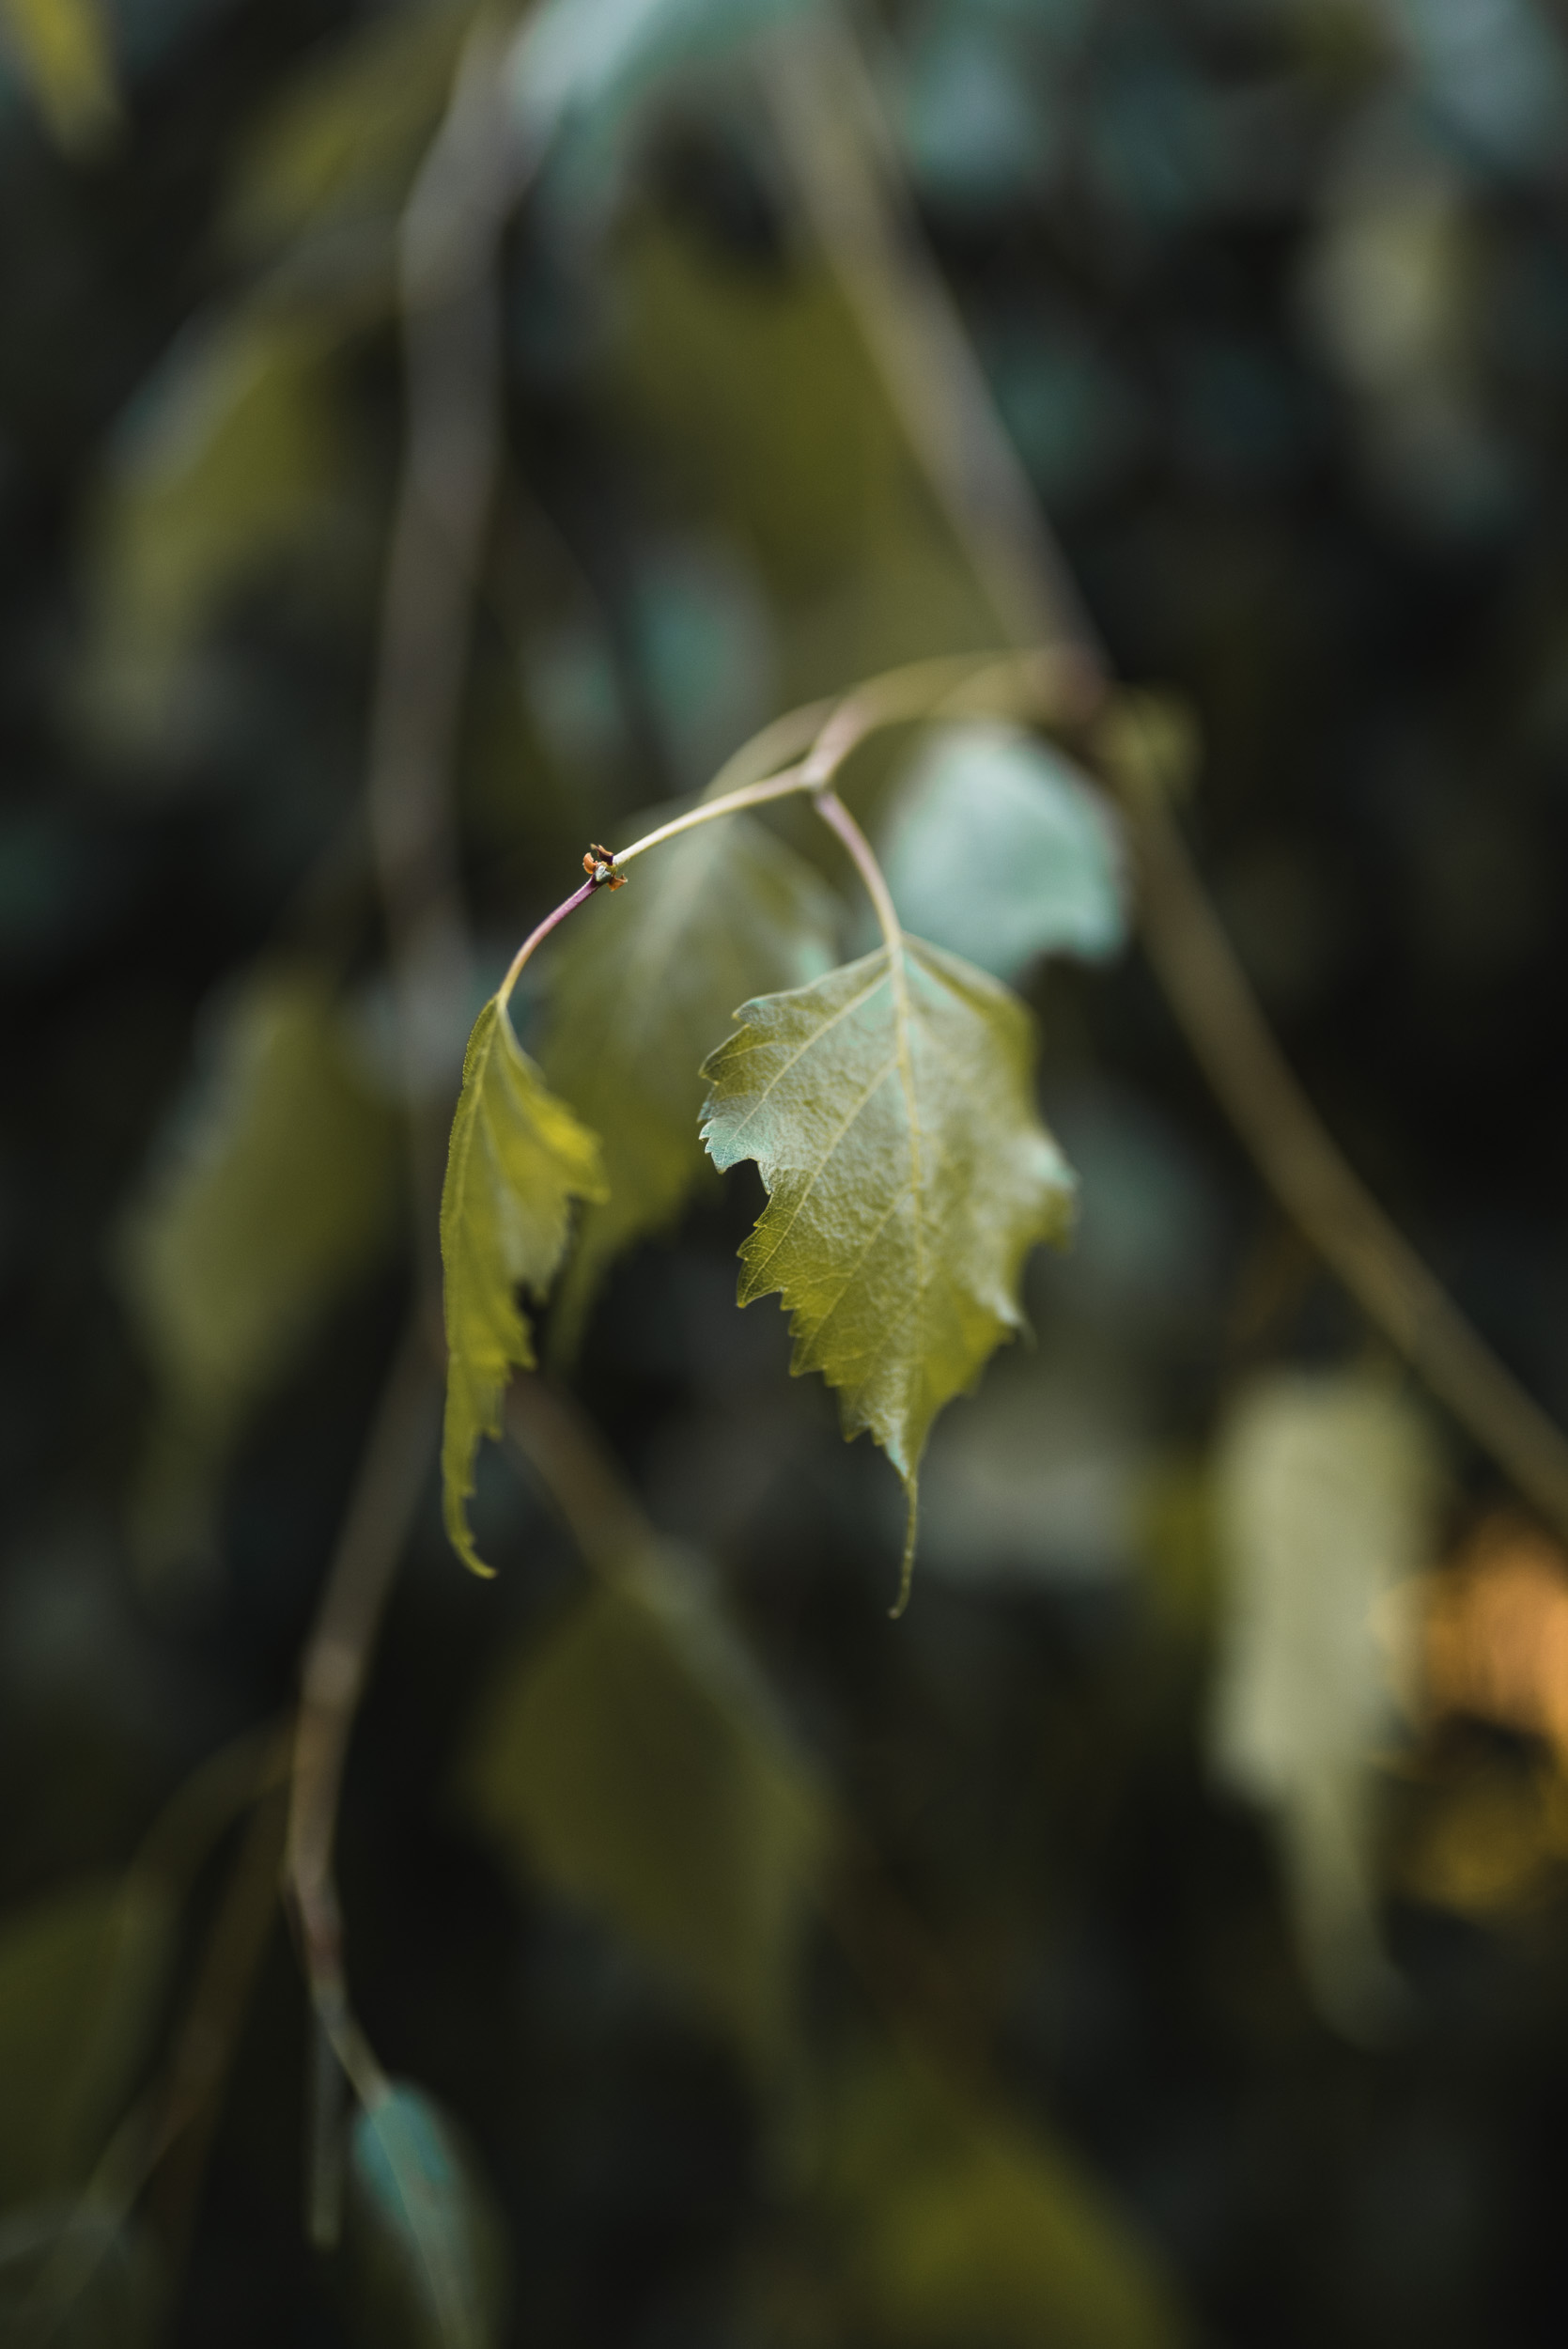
{"points": [[518, 1158], [890, 1108]]}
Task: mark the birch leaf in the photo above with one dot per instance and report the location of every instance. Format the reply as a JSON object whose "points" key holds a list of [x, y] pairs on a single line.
{"points": [[998, 850], [891, 1111], [518, 1159], [643, 992], [425, 2241], [635, 1761]]}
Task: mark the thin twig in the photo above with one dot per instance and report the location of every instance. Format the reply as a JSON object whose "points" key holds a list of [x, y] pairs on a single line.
{"points": [[1313, 1182], [449, 245], [847, 177], [337, 1661], [851, 187]]}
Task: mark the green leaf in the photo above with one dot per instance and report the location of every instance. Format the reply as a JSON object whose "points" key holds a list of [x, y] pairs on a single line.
{"points": [[890, 1108], [232, 463], [1326, 1488], [76, 2277], [644, 990], [82, 1976], [63, 50], [339, 147], [518, 1158], [426, 2243], [959, 2224], [998, 850], [635, 1762], [278, 1191]]}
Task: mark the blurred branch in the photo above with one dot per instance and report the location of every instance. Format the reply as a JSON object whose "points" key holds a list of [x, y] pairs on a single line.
{"points": [[850, 187], [337, 1661], [852, 190], [448, 266], [1230, 1038]]}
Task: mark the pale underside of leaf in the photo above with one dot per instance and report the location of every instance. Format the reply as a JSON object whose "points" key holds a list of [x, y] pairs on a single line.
{"points": [[517, 1160], [889, 1109], [641, 992]]}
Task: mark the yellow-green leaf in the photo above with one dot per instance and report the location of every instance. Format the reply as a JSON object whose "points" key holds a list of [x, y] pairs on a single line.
{"points": [[635, 1762], [518, 1159], [233, 460], [63, 48], [277, 1191], [959, 2223], [891, 1109], [644, 990]]}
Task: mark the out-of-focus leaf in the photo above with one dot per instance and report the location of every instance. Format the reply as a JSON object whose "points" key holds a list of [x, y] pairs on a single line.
{"points": [[341, 145], [1326, 1486], [634, 1763], [81, 1974], [518, 1158], [959, 2224], [1494, 1633], [891, 1109], [588, 61], [75, 2276], [426, 2243], [279, 1192], [63, 48], [996, 848], [230, 462], [641, 993]]}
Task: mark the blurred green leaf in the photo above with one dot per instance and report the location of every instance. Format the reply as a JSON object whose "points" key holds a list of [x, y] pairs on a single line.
{"points": [[1326, 1491], [230, 464], [959, 2224], [339, 150], [635, 1762], [518, 1158], [75, 2277], [641, 993], [998, 850], [891, 1109], [426, 2244], [278, 1191], [63, 48], [82, 1973]]}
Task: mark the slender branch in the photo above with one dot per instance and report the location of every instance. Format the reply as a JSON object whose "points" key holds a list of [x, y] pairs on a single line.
{"points": [[1313, 1182], [580, 896], [827, 732], [449, 242], [851, 187], [838, 819], [337, 1661], [846, 172]]}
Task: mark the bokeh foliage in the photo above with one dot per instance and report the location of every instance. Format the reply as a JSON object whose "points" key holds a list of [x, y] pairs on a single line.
{"points": [[792, 1978]]}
